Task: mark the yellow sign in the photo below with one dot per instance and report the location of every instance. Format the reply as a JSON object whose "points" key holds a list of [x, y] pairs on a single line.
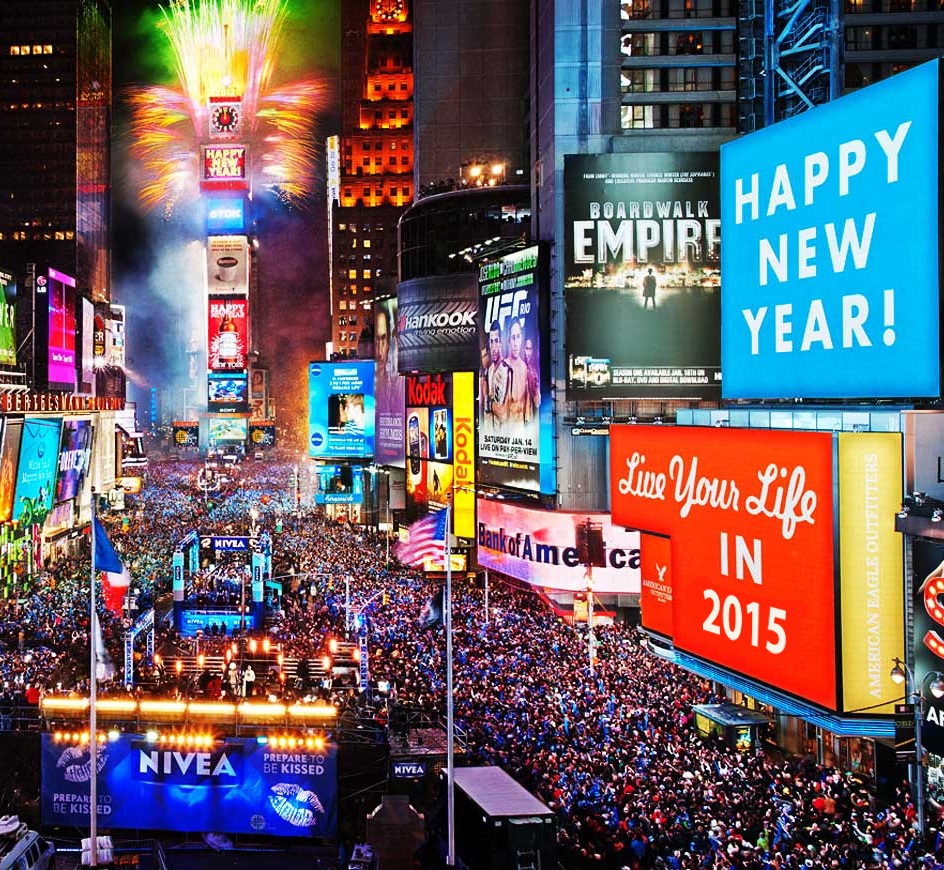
{"points": [[463, 465], [871, 570]]}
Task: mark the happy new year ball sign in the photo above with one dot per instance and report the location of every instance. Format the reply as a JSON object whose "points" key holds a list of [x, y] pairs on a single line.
{"points": [[829, 252]]}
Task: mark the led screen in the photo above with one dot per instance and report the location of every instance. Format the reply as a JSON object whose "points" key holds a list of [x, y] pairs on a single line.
{"points": [[61, 347], [36, 474], [341, 409]]}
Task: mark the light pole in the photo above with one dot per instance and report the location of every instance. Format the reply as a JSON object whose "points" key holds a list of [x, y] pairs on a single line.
{"points": [[901, 673]]}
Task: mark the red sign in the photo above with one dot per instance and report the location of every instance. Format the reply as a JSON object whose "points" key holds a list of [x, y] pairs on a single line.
{"points": [[750, 515], [224, 167], [655, 576], [227, 334]]}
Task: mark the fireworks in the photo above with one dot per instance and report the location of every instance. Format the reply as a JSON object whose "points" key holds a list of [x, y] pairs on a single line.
{"points": [[224, 48]]}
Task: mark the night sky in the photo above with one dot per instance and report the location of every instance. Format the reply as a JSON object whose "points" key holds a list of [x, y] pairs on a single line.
{"points": [[154, 256]]}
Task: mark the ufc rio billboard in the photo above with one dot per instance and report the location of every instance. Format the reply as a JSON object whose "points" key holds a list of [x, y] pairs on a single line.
{"points": [[750, 518]]}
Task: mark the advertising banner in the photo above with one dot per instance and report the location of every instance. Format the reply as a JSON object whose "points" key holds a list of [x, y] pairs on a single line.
{"points": [[340, 409], [514, 441], [227, 333], [227, 430], [437, 324], [186, 433], [227, 394], [262, 433], [744, 508], [88, 343], [831, 248], [641, 275], [239, 786], [12, 435], [225, 215], [61, 357], [75, 454], [655, 573], [547, 548], [227, 265], [223, 167], [463, 453], [36, 474], [389, 385], [929, 652], [870, 558], [7, 319]]}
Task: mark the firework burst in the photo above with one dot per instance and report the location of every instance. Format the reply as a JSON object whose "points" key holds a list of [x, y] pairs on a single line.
{"points": [[224, 48]]}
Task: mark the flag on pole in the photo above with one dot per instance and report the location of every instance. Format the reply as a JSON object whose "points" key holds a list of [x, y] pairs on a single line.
{"points": [[104, 666], [115, 579], [427, 537]]}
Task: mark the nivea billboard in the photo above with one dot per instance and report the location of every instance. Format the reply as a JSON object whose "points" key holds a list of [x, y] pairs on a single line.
{"points": [[341, 409], [236, 786], [830, 253]]}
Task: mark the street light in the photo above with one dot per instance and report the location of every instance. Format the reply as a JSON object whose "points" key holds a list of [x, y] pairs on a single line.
{"points": [[900, 674]]}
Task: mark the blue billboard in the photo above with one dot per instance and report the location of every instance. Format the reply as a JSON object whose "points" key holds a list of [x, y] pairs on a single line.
{"points": [[341, 409], [830, 261], [36, 473], [225, 215], [339, 484], [235, 786]]}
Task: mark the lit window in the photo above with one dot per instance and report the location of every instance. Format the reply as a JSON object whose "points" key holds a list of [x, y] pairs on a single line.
{"points": [[366, 243], [14, 49], [366, 274], [24, 49], [47, 49], [352, 274], [37, 49]]}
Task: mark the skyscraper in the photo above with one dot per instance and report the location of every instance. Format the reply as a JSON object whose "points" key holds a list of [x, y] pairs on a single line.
{"points": [[55, 125], [376, 160]]}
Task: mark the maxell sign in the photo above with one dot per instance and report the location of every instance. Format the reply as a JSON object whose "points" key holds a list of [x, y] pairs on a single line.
{"points": [[437, 324]]}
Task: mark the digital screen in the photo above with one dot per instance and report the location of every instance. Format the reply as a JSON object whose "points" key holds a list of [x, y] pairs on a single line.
{"points": [[642, 280], [227, 430], [831, 248], [186, 434], [262, 434], [389, 385], [36, 474], [12, 435], [228, 265], [227, 334], [743, 508], [7, 319], [227, 393], [224, 167], [340, 484], [61, 296], [548, 548], [75, 454], [341, 409], [225, 215], [236, 786], [515, 447]]}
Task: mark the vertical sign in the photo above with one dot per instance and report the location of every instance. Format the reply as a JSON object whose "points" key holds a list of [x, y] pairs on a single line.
{"points": [[463, 447]]}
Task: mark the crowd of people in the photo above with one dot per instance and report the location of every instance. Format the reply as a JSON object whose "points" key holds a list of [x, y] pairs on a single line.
{"points": [[613, 751]]}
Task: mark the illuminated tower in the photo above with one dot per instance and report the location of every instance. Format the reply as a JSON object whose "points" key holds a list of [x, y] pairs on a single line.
{"points": [[376, 181]]}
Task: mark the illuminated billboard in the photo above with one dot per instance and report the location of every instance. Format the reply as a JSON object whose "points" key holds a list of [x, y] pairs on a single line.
{"points": [[223, 167], [12, 434], [655, 580], [7, 319], [339, 484], [75, 454], [928, 564], [438, 329], [227, 265], [341, 409], [186, 433], [870, 559], [547, 548], [227, 394], [641, 275], [388, 384], [227, 333], [743, 508], [226, 117], [262, 433], [463, 454], [831, 248], [239, 785], [36, 474], [225, 215], [515, 446], [61, 343], [227, 430]]}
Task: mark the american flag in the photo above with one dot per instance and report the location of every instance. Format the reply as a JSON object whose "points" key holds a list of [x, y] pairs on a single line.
{"points": [[427, 540]]}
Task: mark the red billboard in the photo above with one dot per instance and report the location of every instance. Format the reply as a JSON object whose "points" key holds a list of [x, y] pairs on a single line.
{"points": [[750, 517], [655, 575], [227, 334]]}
